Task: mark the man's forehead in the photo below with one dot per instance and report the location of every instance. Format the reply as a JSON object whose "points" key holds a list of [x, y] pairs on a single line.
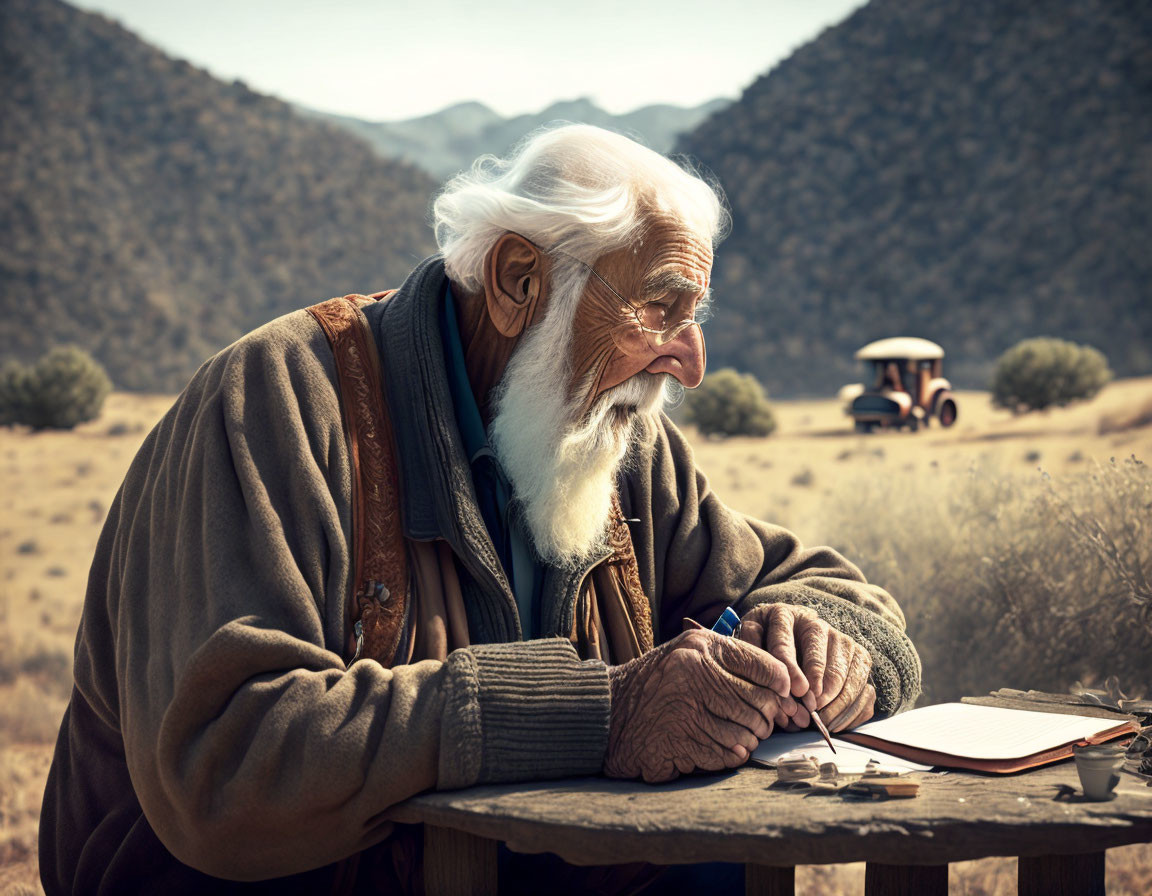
{"points": [[671, 258]]}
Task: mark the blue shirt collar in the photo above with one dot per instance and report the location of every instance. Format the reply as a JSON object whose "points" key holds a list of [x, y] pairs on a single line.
{"points": [[468, 418], [493, 492]]}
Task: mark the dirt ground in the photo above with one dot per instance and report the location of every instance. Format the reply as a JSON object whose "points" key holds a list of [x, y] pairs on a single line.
{"points": [[56, 488]]}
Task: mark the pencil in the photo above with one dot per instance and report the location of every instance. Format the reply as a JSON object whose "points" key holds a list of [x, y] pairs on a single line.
{"points": [[726, 625]]}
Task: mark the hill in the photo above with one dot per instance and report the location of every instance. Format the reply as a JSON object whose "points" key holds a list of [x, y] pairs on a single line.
{"points": [[449, 140], [151, 213], [431, 142], [971, 171]]}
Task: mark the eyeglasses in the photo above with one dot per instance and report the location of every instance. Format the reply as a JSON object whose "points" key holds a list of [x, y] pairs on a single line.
{"points": [[655, 323]]}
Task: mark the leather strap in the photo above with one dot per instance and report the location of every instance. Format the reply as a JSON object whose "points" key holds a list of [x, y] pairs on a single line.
{"points": [[379, 558], [380, 578]]}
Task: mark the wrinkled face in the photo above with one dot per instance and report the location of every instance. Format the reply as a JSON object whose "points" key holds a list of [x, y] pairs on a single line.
{"points": [[561, 435], [670, 267]]}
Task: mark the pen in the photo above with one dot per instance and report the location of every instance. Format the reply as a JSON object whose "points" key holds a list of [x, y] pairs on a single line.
{"points": [[726, 625]]}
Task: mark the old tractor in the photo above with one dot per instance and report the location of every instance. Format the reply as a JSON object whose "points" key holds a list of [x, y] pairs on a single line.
{"points": [[907, 389]]}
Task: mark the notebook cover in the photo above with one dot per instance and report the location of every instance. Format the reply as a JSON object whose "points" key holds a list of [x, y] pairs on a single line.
{"points": [[992, 766]]}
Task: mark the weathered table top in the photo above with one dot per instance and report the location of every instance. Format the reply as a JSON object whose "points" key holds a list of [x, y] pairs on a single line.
{"points": [[743, 816]]}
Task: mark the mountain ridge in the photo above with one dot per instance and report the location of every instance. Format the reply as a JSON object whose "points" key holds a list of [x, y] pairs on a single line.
{"points": [[974, 173], [448, 141], [153, 214]]}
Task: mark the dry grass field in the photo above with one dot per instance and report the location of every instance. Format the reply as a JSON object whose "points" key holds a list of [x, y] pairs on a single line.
{"points": [[917, 511]]}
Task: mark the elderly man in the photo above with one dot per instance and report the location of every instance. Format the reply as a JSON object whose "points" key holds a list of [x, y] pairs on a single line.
{"points": [[244, 712]]}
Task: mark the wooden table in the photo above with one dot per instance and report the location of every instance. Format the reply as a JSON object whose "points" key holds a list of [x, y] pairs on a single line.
{"points": [[743, 816]]}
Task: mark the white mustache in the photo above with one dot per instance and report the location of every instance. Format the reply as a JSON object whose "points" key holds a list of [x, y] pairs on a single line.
{"points": [[644, 393]]}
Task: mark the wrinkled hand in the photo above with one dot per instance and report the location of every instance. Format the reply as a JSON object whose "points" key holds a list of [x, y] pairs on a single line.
{"points": [[699, 701], [828, 669]]}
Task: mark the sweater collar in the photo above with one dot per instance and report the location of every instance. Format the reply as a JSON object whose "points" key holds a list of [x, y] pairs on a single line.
{"points": [[432, 460], [437, 495]]}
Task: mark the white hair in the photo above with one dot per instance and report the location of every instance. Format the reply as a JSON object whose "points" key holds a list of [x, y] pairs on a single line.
{"points": [[577, 188], [586, 192]]}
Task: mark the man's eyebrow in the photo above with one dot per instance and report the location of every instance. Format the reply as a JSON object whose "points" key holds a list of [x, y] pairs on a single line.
{"points": [[670, 281]]}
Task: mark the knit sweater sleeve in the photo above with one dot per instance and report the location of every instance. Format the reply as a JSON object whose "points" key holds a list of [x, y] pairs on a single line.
{"points": [[698, 556], [219, 603]]}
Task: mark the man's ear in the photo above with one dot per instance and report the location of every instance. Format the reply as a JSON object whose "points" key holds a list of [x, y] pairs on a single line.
{"points": [[514, 283]]}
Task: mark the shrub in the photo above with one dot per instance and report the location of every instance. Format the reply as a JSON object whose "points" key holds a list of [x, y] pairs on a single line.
{"points": [[1010, 580], [63, 388], [728, 403], [1038, 373], [13, 392]]}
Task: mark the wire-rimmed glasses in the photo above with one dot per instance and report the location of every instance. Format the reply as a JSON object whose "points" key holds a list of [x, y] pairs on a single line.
{"points": [[657, 322]]}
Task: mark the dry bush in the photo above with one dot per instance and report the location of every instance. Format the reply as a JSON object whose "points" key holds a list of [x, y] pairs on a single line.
{"points": [[831, 880], [21, 889], [23, 770], [1009, 580], [35, 681], [1129, 870], [994, 876], [49, 668], [20, 787], [28, 715]]}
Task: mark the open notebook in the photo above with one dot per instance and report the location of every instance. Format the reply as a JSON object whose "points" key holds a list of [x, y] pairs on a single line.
{"points": [[985, 738]]}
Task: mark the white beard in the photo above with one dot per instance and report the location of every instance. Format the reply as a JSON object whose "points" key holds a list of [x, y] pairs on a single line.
{"points": [[563, 470]]}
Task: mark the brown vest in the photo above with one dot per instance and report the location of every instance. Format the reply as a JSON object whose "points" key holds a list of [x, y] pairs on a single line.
{"points": [[613, 619]]}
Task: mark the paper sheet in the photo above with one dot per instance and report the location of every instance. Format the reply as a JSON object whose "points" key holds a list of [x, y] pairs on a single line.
{"points": [[984, 732], [850, 759]]}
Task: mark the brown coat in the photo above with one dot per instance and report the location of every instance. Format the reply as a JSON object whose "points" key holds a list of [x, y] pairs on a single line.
{"points": [[214, 723]]}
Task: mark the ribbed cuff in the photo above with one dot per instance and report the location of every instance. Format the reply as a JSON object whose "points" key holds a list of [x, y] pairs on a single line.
{"points": [[895, 664], [523, 711]]}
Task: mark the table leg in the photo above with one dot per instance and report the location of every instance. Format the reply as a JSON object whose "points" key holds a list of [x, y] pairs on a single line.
{"points": [[1082, 875], [766, 880], [905, 880], [456, 862]]}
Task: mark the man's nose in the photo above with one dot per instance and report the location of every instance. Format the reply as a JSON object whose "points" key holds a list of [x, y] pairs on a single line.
{"points": [[684, 357]]}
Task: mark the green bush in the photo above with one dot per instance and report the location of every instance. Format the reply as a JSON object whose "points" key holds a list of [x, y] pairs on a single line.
{"points": [[1037, 373], [63, 388], [13, 392], [728, 403]]}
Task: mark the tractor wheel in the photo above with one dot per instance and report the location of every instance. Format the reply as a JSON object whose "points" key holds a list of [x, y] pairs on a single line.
{"points": [[947, 413]]}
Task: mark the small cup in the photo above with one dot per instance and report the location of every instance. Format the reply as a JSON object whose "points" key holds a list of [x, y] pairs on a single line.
{"points": [[1098, 768]]}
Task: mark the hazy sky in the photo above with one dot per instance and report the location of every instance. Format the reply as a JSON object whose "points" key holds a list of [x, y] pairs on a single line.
{"points": [[388, 59]]}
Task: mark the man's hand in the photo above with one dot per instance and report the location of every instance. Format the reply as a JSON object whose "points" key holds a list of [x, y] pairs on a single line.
{"points": [[699, 701], [828, 669]]}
